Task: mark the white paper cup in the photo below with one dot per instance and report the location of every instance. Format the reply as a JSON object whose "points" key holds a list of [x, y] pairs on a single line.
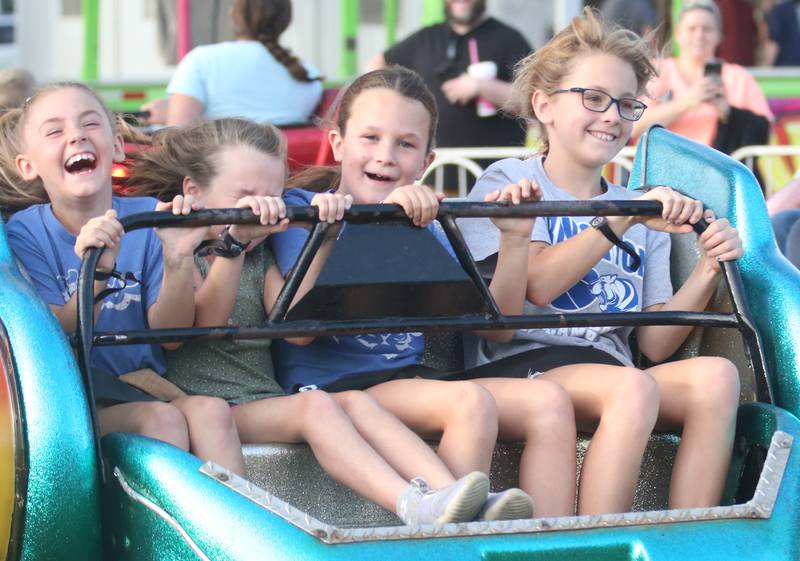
{"points": [[485, 70]]}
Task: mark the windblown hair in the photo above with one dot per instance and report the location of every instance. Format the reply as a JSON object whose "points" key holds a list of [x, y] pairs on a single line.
{"points": [[15, 192], [398, 79], [194, 151], [264, 21], [586, 34]]}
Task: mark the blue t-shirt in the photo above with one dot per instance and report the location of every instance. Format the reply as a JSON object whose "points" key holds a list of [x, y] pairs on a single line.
{"points": [[46, 251], [328, 359], [243, 79]]}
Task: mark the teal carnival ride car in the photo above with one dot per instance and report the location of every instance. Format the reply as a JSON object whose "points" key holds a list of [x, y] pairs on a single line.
{"points": [[66, 495]]}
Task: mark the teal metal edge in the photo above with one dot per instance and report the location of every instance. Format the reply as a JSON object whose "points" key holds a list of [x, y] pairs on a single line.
{"points": [[772, 284], [62, 512], [226, 525]]}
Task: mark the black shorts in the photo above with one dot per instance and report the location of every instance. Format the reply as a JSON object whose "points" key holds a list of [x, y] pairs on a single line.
{"points": [[108, 389], [523, 365], [529, 364]]}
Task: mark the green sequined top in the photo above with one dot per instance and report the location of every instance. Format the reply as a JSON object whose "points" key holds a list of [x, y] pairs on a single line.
{"points": [[237, 371]]}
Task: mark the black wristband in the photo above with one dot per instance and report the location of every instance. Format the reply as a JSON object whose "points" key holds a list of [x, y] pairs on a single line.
{"points": [[125, 279], [225, 246], [600, 223]]}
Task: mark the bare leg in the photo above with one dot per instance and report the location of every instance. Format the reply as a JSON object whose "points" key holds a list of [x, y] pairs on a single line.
{"points": [[463, 414], [539, 413], [155, 419], [395, 442], [701, 395], [315, 417], [212, 432], [623, 404]]}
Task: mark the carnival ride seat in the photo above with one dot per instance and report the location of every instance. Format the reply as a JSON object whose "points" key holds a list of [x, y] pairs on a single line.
{"points": [[160, 503], [307, 143]]}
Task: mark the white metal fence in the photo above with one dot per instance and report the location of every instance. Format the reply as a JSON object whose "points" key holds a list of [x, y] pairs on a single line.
{"points": [[464, 159]]}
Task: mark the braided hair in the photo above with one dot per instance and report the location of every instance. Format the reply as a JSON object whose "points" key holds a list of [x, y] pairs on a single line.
{"points": [[264, 21]]}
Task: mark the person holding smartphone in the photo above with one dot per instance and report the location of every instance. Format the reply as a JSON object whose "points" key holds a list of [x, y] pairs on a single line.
{"points": [[695, 95]]}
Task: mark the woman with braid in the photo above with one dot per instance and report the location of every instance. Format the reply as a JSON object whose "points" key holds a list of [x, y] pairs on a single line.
{"points": [[253, 77]]}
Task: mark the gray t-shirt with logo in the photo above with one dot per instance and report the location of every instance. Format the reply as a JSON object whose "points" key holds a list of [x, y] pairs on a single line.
{"points": [[611, 286]]}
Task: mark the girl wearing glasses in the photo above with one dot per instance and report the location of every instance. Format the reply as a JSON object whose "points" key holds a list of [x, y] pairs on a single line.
{"points": [[581, 88]]}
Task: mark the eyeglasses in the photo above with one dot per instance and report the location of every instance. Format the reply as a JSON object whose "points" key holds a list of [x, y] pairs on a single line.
{"points": [[598, 101]]}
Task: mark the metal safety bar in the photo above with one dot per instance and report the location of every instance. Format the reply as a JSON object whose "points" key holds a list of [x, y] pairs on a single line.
{"points": [[277, 327]]}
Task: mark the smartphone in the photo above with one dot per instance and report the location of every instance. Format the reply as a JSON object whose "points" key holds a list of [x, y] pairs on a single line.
{"points": [[713, 69]]}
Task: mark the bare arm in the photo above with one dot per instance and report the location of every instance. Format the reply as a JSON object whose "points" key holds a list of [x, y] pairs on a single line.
{"points": [[720, 242], [659, 342], [183, 110], [104, 231], [508, 282], [496, 91], [175, 304], [215, 297], [553, 269], [67, 314]]}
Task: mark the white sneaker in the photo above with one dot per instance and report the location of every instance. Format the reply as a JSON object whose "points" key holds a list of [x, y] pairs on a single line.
{"points": [[458, 502], [511, 504]]}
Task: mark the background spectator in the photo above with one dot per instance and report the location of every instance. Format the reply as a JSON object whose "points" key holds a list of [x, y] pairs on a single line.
{"points": [[445, 55], [637, 15], [252, 77], [783, 24], [716, 104]]}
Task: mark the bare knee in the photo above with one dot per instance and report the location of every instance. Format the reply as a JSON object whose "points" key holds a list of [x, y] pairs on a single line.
{"points": [[356, 403], [473, 406], [317, 407], [209, 413], [548, 410], [472, 399], [162, 421], [633, 400], [714, 386]]}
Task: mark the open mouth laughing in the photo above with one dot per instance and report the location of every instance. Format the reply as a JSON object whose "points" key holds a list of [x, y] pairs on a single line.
{"points": [[81, 163]]}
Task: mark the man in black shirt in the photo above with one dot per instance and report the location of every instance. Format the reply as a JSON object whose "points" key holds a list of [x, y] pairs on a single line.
{"points": [[441, 54]]}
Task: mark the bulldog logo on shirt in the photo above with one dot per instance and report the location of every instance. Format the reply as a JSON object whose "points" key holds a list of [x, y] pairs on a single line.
{"points": [[613, 293]]}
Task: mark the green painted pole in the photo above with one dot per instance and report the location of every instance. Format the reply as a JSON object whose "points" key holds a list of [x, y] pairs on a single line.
{"points": [[432, 12], [390, 21], [349, 25], [677, 6], [91, 40]]}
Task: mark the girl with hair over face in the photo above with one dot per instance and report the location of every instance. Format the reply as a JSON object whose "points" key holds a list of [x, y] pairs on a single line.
{"points": [[236, 163], [581, 88], [57, 151], [383, 140], [253, 77]]}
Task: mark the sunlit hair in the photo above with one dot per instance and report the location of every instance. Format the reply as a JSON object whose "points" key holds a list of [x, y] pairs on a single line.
{"points": [[398, 79], [195, 151], [17, 193], [265, 21], [585, 35]]}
